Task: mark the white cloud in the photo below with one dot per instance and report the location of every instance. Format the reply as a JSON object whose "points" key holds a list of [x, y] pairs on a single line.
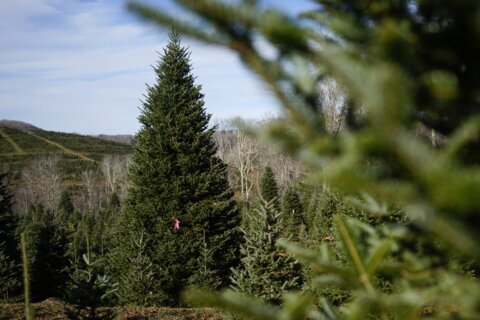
{"points": [[82, 66]]}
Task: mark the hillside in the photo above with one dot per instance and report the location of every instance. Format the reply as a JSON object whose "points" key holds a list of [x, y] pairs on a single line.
{"points": [[20, 143], [17, 125]]}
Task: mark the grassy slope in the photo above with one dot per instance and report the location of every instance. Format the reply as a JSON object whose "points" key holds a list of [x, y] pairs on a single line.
{"points": [[77, 152]]}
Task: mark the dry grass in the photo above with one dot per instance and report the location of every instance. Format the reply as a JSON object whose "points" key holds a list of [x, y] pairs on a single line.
{"points": [[53, 309]]}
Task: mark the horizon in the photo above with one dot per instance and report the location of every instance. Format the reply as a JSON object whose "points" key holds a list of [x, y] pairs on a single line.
{"points": [[88, 63]]}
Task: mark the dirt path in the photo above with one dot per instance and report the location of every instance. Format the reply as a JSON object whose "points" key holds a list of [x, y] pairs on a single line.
{"points": [[64, 149], [15, 146]]}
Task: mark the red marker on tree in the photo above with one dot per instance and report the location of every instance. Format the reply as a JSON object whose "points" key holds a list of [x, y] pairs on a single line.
{"points": [[176, 225]]}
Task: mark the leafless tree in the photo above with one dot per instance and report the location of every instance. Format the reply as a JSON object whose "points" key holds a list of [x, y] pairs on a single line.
{"points": [[239, 151], [243, 158], [42, 183], [247, 157], [334, 105], [89, 185], [114, 169], [224, 138], [124, 182]]}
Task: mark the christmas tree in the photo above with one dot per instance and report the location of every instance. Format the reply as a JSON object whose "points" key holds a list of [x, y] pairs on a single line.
{"points": [[180, 197], [294, 220], [266, 271], [9, 253], [269, 188]]}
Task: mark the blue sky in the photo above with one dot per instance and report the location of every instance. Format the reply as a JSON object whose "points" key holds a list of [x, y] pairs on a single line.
{"points": [[81, 66]]}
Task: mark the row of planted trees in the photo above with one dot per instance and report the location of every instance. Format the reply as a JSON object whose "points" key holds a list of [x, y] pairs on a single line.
{"points": [[77, 257], [57, 240], [179, 225]]}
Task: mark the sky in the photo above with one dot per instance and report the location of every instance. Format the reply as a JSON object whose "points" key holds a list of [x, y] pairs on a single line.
{"points": [[83, 65]]}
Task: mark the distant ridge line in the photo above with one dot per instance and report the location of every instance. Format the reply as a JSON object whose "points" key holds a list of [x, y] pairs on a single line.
{"points": [[24, 126], [20, 125]]}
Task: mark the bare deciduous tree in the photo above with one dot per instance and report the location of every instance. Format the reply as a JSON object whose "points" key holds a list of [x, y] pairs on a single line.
{"points": [[247, 157], [243, 158], [42, 183], [114, 169], [88, 181], [334, 105], [239, 151]]}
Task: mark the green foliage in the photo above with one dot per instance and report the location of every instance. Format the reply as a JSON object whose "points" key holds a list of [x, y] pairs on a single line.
{"points": [[266, 271], [293, 215], [137, 277], [71, 166], [8, 221], [9, 281], [176, 175], [5, 146], [85, 144], [401, 63], [90, 290], [91, 233], [65, 206], [9, 253], [48, 242], [207, 276], [29, 143], [269, 188], [114, 202]]}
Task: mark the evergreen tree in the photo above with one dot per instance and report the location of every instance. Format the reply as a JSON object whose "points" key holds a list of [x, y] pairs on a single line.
{"points": [[114, 203], [9, 280], [137, 278], [266, 271], [8, 221], [176, 178], [65, 206], [293, 214], [269, 188], [9, 253], [90, 290], [48, 244]]}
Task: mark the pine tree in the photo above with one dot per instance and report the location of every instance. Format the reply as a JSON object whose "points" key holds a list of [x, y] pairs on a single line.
{"points": [[48, 243], [114, 202], [65, 206], [269, 188], [89, 291], [266, 271], [9, 280], [175, 175], [137, 278], [9, 253], [8, 221], [293, 214]]}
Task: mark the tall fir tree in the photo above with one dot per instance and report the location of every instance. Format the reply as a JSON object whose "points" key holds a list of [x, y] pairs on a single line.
{"points": [[9, 253], [177, 179], [269, 188]]}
